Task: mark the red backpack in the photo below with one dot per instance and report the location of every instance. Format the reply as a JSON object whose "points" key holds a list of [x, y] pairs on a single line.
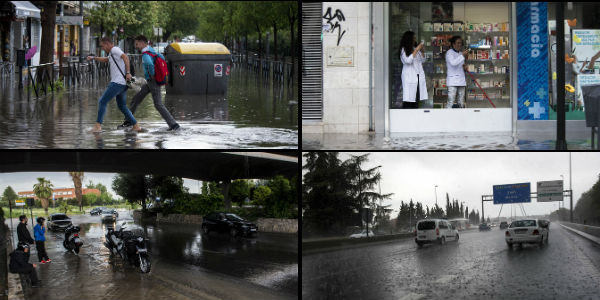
{"points": [[160, 69]]}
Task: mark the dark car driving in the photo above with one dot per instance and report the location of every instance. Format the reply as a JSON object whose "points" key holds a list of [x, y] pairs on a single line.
{"points": [[503, 225], [96, 211], [484, 226], [59, 222], [228, 223]]}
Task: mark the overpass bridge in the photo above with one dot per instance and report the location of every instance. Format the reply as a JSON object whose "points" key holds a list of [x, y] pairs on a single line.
{"points": [[206, 166]]}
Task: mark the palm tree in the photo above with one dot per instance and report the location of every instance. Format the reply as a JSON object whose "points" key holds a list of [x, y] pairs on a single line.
{"points": [[43, 190], [77, 179]]}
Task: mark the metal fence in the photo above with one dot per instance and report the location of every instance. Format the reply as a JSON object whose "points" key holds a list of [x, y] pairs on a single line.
{"points": [[278, 70]]}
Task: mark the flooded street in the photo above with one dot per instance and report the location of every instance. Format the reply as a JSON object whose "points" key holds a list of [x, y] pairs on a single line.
{"points": [[257, 113], [185, 265]]}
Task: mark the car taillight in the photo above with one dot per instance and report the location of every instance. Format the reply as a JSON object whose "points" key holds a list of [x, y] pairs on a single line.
{"points": [[77, 234], [536, 232], [415, 232], [437, 231], [507, 233]]}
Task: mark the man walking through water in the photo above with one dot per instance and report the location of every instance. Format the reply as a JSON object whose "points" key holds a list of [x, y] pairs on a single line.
{"points": [[119, 64], [149, 59]]}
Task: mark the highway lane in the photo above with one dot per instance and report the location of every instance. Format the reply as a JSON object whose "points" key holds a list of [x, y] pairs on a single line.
{"points": [[479, 266]]}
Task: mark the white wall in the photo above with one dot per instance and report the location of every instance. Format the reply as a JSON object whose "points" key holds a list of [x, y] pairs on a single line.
{"points": [[345, 89]]}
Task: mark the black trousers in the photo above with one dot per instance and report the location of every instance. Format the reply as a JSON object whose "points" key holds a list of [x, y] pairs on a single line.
{"points": [[412, 105], [32, 276], [41, 250]]}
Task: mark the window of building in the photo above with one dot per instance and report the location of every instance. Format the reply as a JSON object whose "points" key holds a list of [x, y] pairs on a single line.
{"points": [[484, 28]]}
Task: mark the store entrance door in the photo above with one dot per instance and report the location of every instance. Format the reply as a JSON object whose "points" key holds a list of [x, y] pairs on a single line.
{"points": [[485, 30]]}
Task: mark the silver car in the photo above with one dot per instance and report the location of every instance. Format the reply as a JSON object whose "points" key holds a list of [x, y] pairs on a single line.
{"points": [[109, 215]]}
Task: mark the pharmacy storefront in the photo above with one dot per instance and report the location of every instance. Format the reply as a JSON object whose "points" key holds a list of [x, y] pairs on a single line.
{"points": [[509, 68]]}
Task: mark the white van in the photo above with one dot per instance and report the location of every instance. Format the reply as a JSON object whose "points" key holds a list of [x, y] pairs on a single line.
{"points": [[435, 230]]}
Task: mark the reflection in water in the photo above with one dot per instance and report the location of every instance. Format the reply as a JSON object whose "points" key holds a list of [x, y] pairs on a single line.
{"points": [[255, 113]]}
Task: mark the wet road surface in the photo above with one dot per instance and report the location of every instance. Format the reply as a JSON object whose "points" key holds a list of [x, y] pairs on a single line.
{"points": [[256, 113], [479, 266], [184, 266]]}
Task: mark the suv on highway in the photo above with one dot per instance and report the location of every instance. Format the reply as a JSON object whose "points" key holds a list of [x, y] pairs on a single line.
{"points": [[434, 230], [530, 231], [503, 225]]}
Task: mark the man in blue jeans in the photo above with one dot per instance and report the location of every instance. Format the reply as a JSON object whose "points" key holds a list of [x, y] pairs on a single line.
{"points": [[119, 72], [141, 43]]}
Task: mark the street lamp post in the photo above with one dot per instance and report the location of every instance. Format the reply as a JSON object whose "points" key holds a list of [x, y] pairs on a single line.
{"points": [[436, 195]]}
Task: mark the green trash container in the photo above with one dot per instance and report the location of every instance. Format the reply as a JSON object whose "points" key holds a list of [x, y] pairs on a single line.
{"points": [[197, 68]]}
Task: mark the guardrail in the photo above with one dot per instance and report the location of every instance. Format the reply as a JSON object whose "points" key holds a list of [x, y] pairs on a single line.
{"points": [[593, 230]]}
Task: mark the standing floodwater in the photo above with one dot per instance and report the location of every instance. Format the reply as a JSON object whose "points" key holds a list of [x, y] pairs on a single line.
{"points": [[257, 112]]}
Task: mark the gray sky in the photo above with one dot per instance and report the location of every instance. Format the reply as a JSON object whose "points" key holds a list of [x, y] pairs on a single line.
{"points": [[468, 175], [24, 181]]}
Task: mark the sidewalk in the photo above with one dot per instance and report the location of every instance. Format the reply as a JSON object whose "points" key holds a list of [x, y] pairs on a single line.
{"points": [[444, 141]]}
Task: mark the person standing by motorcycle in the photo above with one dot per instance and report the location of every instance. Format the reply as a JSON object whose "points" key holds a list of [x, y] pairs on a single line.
{"points": [[39, 231]]}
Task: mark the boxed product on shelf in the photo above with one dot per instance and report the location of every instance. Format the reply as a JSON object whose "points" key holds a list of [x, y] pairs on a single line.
{"points": [[447, 26], [488, 27], [442, 82], [438, 27], [458, 27], [497, 27], [427, 26]]}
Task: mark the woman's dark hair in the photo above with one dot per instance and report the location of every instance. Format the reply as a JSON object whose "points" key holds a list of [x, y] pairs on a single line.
{"points": [[407, 43], [454, 39]]}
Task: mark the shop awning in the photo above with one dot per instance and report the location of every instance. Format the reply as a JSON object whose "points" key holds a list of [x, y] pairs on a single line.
{"points": [[69, 20], [24, 9]]}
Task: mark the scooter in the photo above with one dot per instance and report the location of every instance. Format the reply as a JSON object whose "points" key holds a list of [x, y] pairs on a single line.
{"points": [[72, 241], [131, 247]]}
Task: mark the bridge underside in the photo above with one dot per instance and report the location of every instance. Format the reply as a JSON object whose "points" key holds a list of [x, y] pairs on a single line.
{"points": [[207, 166]]}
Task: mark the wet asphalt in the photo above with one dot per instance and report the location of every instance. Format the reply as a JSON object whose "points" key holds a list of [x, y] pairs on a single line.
{"points": [[479, 266], [185, 265]]}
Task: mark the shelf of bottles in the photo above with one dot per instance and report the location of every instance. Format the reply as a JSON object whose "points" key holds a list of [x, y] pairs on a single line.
{"points": [[488, 60]]}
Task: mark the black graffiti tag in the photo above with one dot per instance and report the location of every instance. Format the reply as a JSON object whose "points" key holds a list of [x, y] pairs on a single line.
{"points": [[340, 17]]}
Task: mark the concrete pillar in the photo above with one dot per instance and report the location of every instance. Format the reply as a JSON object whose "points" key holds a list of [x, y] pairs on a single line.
{"points": [[225, 186]]}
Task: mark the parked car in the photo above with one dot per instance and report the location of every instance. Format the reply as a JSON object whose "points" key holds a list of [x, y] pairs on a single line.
{"points": [[361, 234], [109, 215], [530, 231], [503, 225], [228, 223], [58, 221], [484, 227], [435, 230], [96, 211]]}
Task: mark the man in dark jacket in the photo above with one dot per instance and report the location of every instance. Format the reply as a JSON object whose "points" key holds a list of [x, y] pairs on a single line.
{"points": [[22, 232], [19, 263]]}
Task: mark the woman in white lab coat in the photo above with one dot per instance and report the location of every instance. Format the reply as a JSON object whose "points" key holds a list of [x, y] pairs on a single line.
{"points": [[455, 80], [414, 87]]}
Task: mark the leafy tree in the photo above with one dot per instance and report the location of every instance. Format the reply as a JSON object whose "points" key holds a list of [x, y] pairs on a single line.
{"points": [[239, 191], [43, 190], [132, 187], [64, 206], [261, 195], [112, 15], [9, 195], [180, 17], [587, 208], [77, 178]]}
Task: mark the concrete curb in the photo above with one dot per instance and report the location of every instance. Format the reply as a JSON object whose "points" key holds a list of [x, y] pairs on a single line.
{"points": [[331, 244], [583, 234]]}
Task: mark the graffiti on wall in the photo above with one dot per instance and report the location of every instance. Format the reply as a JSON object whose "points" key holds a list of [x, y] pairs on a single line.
{"points": [[338, 17]]}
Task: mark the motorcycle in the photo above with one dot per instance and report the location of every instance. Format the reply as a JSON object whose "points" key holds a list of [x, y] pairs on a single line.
{"points": [[72, 241], [130, 246]]}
